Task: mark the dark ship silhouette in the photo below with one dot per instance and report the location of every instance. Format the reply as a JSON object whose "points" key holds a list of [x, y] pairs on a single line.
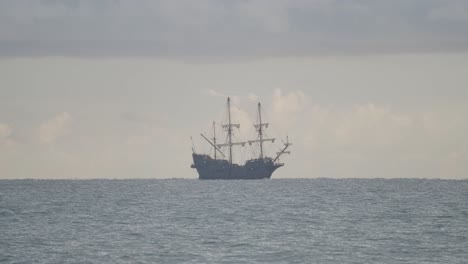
{"points": [[213, 168]]}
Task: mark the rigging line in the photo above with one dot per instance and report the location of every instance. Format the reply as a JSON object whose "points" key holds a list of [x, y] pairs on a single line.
{"points": [[273, 144], [211, 143], [252, 149], [273, 127]]}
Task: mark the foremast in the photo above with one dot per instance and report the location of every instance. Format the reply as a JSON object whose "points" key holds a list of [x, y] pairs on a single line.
{"points": [[283, 150]]}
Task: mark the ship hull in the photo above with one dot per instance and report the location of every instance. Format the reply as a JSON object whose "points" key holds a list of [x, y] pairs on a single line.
{"points": [[216, 169]]}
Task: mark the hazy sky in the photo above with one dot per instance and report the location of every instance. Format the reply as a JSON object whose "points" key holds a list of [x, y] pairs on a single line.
{"points": [[115, 89]]}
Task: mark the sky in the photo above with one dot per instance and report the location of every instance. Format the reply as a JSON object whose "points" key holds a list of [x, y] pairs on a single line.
{"points": [[115, 89]]}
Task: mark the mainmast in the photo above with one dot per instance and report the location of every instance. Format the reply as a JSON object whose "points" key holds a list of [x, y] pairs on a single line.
{"points": [[259, 128], [228, 128]]}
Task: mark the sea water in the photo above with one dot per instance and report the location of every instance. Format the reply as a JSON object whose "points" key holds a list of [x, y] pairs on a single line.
{"points": [[264, 221]]}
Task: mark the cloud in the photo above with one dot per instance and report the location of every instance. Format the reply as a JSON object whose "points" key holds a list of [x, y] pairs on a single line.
{"points": [[229, 28], [289, 103], [360, 127], [348, 116], [252, 97], [286, 107], [5, 133], [53, 128], [145, 118], [267, 16], [235, 99], [451, 11], [243, 118], [371, 140], [215, 93]]}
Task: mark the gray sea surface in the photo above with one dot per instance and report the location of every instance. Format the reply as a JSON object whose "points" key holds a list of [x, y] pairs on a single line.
{"points": [[264, 221]]}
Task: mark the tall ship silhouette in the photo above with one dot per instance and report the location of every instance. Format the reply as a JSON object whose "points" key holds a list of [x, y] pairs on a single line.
{"points": [[220, 165]]}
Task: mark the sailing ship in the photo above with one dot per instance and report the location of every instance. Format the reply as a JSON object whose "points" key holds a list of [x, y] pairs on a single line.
{"points": [[216, 168]]}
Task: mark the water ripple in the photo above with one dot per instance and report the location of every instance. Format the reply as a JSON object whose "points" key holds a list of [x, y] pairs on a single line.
{"points": [[271, 221]]}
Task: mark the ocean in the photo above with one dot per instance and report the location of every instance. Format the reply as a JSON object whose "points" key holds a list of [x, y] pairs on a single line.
{"points": [[264, 221]]}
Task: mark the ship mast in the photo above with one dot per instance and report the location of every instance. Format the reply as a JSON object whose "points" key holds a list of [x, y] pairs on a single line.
{"points": [[283, 151], [259, 128], [212, 144], [214, 138], [229, 129]]}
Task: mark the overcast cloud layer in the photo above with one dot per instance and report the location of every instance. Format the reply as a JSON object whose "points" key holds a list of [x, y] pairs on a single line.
{"points": [[230, 28]]}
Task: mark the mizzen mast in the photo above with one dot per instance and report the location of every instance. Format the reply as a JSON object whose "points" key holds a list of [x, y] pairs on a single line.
{"points": [[212, 144], [214, 138]]}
